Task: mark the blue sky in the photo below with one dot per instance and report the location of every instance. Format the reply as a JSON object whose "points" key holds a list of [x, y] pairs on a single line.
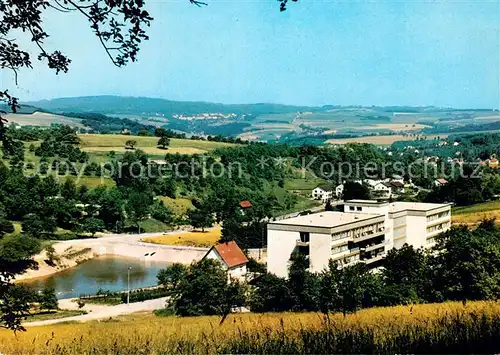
{"points": [[443, 53]]}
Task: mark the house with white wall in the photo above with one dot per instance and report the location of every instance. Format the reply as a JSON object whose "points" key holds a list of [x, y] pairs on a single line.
{"points": [[380, 189], [339, 191], [323, 192], [231, 258]]}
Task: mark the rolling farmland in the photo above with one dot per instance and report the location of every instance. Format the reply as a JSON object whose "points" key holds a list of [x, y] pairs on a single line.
{"points": [[103, 143], [381, 140]]}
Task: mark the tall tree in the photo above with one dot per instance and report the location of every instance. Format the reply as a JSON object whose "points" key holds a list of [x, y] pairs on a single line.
{"points": [[164, 142], [206, 291], [200, 218], [270, 294], [355, 191], [15, 258], [303, 284], [138, 208], [467, 263], [6, 226], [407, 275]]}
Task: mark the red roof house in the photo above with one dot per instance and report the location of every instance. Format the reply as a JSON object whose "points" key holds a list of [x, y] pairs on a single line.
{"points": [[440, 182], [231, 256], [245, 204]]}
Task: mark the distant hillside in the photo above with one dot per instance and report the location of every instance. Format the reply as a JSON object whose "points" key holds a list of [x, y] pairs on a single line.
{"points": [[25, 108], [151, 106], [42, 119], [266, 122]]}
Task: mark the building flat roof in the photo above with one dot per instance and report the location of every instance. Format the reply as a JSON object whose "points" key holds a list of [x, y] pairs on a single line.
{"points": [[415, 206], [366, 202], [327, 219]]}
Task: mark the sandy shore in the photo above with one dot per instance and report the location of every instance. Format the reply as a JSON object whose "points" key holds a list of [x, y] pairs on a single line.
{"points": [[69, 255]]}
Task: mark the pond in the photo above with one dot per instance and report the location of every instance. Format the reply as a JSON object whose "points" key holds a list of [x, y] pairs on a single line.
{"points": [[106, 273]]}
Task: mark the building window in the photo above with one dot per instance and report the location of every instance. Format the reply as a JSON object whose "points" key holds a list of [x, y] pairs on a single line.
{"points": [[304, 237], [359, 208], [340, 249], [351, 208]]}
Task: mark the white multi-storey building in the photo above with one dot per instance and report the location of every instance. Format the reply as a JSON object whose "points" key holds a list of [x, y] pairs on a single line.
{"points": [[413, 223], [325, 236], [364, 232]]}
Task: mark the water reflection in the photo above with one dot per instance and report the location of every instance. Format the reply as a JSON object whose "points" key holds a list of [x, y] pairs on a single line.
{"points": [[107, 273]]}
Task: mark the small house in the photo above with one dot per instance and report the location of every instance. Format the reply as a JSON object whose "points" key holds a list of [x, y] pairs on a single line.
{"points": [[245, 204], [322, 192], [396, 187], [381, 189], [231, 257], [339, 190], [440, 182]]}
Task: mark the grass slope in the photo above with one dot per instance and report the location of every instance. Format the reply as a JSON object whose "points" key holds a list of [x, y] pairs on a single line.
{"points": [[476, 213], [179, 206], [401, 329]]}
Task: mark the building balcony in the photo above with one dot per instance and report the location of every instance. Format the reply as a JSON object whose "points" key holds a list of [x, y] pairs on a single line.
{"points": [[375, 246], [438, 221], [345, 254], [367, 236], [436, 232], [374, 259], [340, 241]]}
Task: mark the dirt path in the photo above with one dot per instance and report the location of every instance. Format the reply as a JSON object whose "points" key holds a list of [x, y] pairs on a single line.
{"points": [[102, 311]]}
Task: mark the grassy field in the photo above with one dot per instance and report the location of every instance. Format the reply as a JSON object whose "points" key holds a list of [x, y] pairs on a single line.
{"points": [[397, 127], [152, 225], [94, 143], [380, 140], [476, 213], [428, 328], [307, 184], [192, 239], [42, 119], [179, 206]]}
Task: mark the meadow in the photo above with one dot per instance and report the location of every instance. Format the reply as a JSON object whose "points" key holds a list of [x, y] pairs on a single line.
{"points": [[191, 239], [179, 206], [427, 328], [474, 214], [103, 143]]}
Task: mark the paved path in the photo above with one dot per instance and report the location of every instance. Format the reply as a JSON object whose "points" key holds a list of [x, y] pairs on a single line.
{"points": [[103, 311]]}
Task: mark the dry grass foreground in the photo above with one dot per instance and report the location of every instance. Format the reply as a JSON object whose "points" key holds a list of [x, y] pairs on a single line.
{"points": [[116, 143], [190, 239], [148, 334]]}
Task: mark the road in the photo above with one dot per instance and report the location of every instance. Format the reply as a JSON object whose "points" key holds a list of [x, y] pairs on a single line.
{"points": [[102, 311]]}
